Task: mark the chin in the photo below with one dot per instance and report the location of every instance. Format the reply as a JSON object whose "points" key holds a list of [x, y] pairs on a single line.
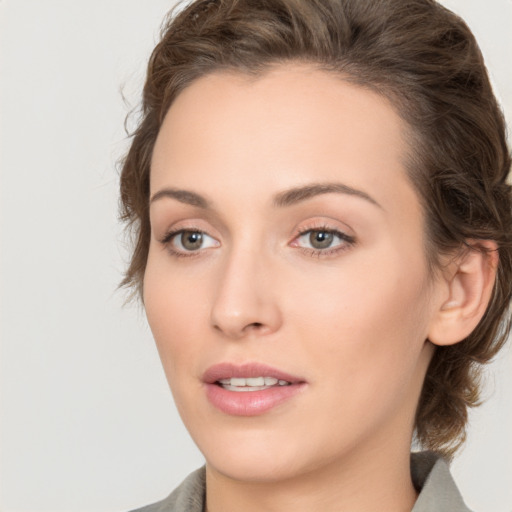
{"points": [[252, 456], [250, 468]]}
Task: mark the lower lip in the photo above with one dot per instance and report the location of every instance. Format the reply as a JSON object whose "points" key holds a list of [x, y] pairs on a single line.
{"points": [[250, 403]]}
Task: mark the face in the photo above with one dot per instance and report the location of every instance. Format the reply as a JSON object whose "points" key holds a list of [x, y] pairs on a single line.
{"points": [[286, 285]]}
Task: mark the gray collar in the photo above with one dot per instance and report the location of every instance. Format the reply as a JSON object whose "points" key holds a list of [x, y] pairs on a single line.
{"points": [[438, 492], [430, 474]]}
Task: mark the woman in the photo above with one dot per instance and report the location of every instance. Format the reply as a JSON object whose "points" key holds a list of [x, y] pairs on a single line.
{"points": [[318, 191]]}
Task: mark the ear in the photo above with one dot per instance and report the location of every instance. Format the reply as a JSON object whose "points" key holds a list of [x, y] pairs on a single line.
{"points": [[465, 293]]}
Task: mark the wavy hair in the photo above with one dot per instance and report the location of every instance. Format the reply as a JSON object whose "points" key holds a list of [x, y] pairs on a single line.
{"points": [[425, 60]]}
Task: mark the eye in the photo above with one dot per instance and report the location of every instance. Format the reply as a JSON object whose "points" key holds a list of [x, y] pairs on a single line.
{"points": [[323, 240], [189, 240], [320, 239]]}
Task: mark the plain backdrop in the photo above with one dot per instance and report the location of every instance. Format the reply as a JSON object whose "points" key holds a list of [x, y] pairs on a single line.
{"points": [[87, 421]]}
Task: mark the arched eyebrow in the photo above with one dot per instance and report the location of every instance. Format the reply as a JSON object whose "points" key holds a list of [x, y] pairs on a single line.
{"points": [[281, 200], [298, 194], [183, 196]]}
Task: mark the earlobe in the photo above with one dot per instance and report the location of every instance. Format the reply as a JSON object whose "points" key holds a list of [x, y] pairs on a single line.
{"points": [[467, 291]]}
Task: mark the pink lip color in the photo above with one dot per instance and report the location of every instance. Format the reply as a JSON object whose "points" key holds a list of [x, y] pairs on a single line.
{"points": [[248, 403]]}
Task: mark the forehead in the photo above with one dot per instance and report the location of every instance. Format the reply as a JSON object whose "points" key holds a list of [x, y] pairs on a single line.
{"points": [[289, 125]]}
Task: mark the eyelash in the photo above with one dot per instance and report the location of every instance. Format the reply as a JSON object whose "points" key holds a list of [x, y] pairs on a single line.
{"points": [[170, 235], [347, 241]]}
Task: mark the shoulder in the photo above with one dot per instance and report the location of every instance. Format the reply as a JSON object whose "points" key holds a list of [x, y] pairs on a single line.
{"points": [[187, 497], [434, 482]]}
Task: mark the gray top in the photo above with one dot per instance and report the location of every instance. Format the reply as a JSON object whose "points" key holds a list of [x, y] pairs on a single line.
{"points": [[430, 474]]}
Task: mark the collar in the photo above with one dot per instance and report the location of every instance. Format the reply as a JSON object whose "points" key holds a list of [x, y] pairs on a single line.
{"points": [[430, 475], [438, 492]]}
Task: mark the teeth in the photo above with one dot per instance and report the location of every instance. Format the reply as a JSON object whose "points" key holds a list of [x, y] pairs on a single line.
{"points": [[255, 381], [252, 382]]}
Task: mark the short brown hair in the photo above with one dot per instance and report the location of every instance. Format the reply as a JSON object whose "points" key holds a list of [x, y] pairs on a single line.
{"points": [[425, 60]]}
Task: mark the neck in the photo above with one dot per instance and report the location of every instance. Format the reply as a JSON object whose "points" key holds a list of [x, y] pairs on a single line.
{"points": [[379, 479]]}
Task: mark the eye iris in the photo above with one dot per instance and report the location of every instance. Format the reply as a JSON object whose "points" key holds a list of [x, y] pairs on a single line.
{"points": [[191, 240], [320, 239]]}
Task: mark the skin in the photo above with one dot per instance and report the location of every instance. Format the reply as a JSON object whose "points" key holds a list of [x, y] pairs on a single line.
{"points": [[351, 320]]}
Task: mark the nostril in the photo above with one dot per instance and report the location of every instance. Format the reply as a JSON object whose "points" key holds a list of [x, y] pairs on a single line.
{"points": [[255, 326]]}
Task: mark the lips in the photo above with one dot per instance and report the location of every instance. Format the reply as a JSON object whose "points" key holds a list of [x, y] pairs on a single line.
{"points": [[224, 383], [249, 370]]}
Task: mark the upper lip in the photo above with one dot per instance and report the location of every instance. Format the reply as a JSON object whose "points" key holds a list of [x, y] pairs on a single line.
{"points": [[227, 370]]}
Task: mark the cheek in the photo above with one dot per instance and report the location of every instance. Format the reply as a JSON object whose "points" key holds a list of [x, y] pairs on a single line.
{"points": [[369, 320], [362, 335], [174, 308]]}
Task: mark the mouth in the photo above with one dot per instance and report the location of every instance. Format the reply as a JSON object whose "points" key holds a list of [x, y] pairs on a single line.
{"points": [[250, 389], [248, 375], [241, 384]]}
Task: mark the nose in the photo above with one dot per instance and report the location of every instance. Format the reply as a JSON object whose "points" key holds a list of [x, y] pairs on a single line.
{"points": [[245, 301]]}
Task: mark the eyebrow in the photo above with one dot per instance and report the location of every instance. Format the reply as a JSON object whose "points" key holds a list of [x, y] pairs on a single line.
{"points": [[281, 200], [299, 194], [183, 196]]}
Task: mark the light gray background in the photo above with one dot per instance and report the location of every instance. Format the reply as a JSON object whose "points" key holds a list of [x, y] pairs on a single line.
{"points": [[87, 422]]}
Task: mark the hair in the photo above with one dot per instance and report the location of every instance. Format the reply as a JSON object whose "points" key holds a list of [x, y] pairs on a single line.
{"points": [[422, 58]]}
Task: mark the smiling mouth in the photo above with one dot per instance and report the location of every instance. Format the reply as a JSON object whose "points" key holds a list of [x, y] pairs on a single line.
{"points": [[251, 376], [241, 384], [249, 389]]}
